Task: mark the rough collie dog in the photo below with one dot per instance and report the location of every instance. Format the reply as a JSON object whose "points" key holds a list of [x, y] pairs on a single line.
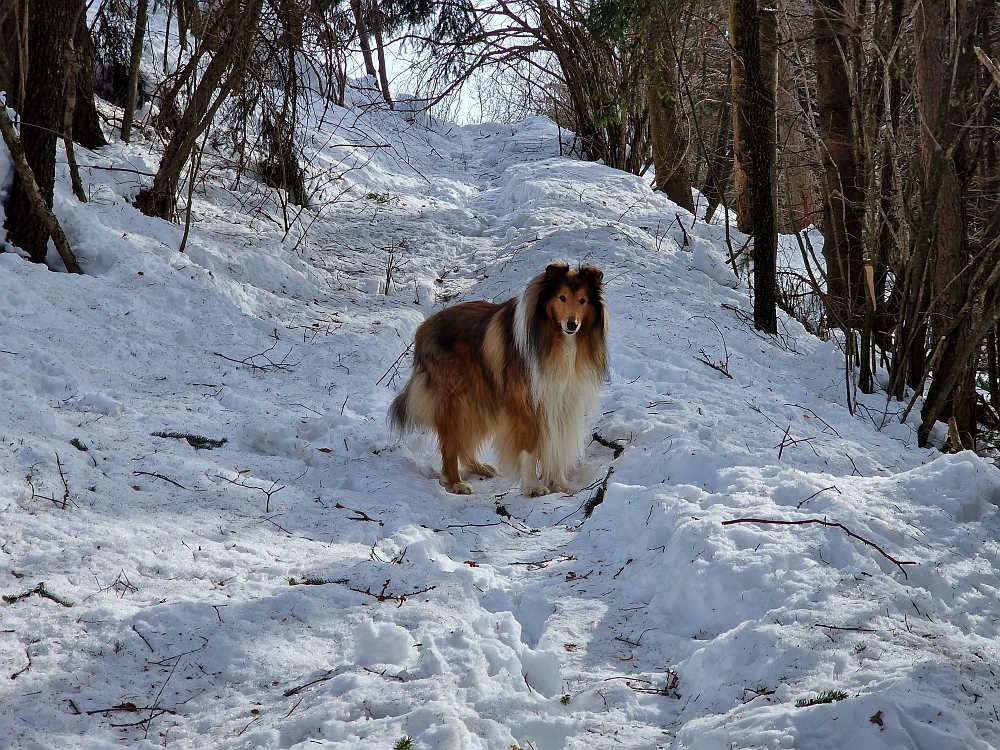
{"points": [[523, 373]]}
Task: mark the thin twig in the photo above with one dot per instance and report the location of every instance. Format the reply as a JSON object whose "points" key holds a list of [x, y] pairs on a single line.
{"points": [[988, 64], [361, 515], [269, 365], [539, 564], [375, 557], [65, 498], [787, 441], [121, 586], [195, 166], [806, 408], [818, 492], [163, 662], [126, 707], [392, 367], [898, 563], [27, 666], [158, 476], [838, 627], [382, 596], [148, 644], [299, 688], [240, 481], [715, 366]]}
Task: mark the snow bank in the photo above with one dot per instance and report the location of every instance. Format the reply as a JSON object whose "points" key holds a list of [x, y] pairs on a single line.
{"points": [[185, 436]]}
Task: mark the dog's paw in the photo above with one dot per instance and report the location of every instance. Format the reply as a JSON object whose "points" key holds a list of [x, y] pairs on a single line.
{"points": [[483, 470], [556, 483], [459, 488], [537, 491]]}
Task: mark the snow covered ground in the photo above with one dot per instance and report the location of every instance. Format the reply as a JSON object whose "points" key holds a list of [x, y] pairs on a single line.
{"points": [[308, 584]]}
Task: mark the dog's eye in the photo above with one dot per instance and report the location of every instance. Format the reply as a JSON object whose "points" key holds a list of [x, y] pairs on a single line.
{"points": [[562, 297], [583, 300]]}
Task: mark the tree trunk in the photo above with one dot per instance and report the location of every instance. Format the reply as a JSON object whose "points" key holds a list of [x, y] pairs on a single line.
{"points": [[754, 106], [50, 25], [383, 69], [73, 72], [943, 46], [720, 162], [133, 70], [281, 168], [161, 199], [741, 146], [182, 28], [993, 369], [8, 48], [14, 50], [843, 198], [34, 196], [887, 112], [765, 52], [666, 132], [362, 28], [222, 23], [583, 103], [86, 124], [797, 157]]}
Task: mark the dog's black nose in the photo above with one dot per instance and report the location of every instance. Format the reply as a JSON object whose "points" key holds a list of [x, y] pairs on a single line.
{"points": [[572, 325]]}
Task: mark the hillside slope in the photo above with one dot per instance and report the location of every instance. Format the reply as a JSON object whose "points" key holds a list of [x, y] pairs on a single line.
{"points": [[488, 621]]}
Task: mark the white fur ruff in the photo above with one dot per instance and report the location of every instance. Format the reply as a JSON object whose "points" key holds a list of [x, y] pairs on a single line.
{"points": [[564, 391]]}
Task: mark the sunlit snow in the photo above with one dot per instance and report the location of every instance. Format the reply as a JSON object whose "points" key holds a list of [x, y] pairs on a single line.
{"points": [[489, 621]]}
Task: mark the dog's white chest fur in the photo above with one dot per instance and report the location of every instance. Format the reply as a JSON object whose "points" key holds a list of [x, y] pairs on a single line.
{"points": [[563, 392]]}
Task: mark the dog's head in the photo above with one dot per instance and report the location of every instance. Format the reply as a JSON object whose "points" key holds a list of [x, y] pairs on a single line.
{"points": [[573, 300]]}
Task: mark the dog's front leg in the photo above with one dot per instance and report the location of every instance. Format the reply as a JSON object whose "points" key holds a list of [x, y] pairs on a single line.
{"points": [[530, 485], [555, 480]]}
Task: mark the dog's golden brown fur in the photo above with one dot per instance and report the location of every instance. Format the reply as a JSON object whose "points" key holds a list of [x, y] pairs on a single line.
{"points": [[523, 373]]}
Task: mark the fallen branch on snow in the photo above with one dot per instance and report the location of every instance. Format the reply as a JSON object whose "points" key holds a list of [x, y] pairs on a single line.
{"points": [[158, 476], [384, 597], [330, 674], [282, 365], [41, 591], [199, 442], [898, 563]]}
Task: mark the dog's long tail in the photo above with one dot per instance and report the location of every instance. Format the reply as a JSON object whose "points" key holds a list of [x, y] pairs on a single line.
{"points": [[414, 407], [399, 413]]}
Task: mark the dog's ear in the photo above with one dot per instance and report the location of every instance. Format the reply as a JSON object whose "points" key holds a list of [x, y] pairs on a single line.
{"points": [[556, 269], [591, 273]]}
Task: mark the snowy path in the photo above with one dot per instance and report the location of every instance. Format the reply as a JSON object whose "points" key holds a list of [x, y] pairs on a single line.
{"points": [[490, 621]]}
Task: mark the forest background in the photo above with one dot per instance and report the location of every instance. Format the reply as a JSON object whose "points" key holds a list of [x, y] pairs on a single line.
{"points": [[873, 120]]}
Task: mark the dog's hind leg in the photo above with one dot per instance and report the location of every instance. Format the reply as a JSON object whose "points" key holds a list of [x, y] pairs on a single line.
{"points": [[475, 466], [450, 443], [451, 480]]}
